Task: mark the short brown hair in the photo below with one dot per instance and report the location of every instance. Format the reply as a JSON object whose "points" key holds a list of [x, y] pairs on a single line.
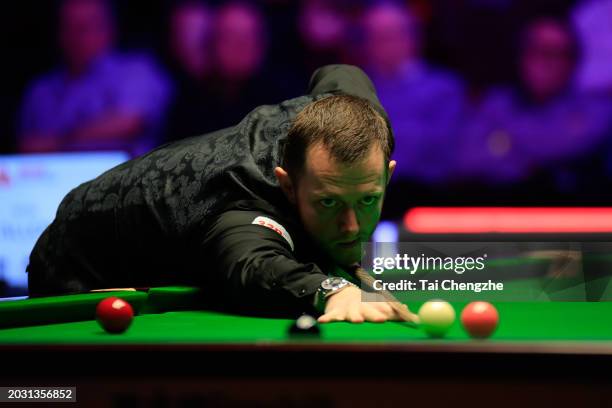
{"points": [[346, 125]]}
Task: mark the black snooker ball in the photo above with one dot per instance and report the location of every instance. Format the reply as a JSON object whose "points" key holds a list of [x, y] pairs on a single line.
{"points": [[305, 326]]}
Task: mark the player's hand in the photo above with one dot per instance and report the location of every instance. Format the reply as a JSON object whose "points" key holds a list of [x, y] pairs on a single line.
{"points": [[346, 305]]}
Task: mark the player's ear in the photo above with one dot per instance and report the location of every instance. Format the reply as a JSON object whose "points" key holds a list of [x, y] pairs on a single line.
{"points": [[285, 183], [391, 169]]}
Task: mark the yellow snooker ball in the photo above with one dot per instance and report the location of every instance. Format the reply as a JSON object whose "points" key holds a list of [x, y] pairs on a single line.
{"points": [[436, 317]]}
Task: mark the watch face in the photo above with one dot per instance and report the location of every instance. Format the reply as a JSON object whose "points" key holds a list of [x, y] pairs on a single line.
{"points": [[332, 283]]}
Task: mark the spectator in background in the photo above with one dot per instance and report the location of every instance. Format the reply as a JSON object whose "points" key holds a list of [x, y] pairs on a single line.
{"points": [[99, 99], [542, 124], [593, 22], [592, 19], [190, 35], [239, 80], [191, 24], [323, 28], [424, 104]]}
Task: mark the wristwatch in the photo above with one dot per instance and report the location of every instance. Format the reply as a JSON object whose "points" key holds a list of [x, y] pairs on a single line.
{"points": [[328, 287]]}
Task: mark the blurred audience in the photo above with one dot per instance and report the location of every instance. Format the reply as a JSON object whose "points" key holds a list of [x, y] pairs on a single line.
{"points": [[191, 24], [424, 104], [240, 43], [593, 22], [520, 132], [238, 81], [323, 27], [551, 125], [592, 19], [242, 79], [99, 99], [190, 39]]}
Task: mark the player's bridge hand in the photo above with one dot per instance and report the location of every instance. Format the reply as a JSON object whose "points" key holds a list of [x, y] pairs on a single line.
{"points": [[347, 305]]}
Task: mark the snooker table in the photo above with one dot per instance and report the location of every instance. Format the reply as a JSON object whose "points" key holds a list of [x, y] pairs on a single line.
{"points": [[178, 354]]}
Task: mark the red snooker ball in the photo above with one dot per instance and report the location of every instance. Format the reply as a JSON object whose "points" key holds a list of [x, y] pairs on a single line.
{"points": [[114, 315], [479, 319]]}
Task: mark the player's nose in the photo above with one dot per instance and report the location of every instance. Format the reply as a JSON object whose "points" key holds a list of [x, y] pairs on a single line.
{"points": [[349, 224]]}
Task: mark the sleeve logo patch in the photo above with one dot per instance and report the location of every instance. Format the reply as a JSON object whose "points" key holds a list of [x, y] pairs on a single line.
{"points": [[274, 226]]}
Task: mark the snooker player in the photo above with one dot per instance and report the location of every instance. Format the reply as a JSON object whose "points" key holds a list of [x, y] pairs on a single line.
{"points": [[263, 216]]}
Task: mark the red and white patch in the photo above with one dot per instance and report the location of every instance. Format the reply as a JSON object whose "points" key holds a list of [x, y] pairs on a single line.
{"points": [[274, 226]]}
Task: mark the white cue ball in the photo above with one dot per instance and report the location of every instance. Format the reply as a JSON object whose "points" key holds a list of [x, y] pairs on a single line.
{"points": [[437, 317]]}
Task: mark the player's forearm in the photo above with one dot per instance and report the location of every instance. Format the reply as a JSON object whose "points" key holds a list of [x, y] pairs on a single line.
{"points": [[278, 274], [256, 265], [269, 292], [263, 279]]}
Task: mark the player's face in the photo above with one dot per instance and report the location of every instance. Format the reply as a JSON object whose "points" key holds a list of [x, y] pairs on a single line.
{"points": [[340, 205]]}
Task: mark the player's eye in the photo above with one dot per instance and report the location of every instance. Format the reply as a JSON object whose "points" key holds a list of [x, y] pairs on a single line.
{"points": [[369, 200], [328, 202]]}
